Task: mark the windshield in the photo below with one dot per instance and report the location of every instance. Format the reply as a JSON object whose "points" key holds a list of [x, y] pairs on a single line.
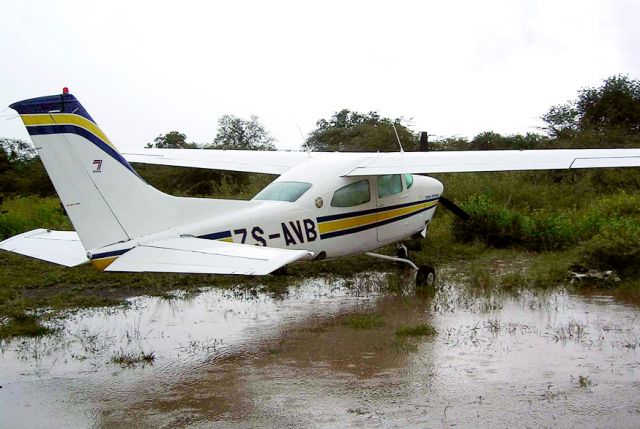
{"points": [[283, 191]]}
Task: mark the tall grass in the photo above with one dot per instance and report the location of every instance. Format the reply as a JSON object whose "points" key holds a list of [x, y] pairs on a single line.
{"points": [[26, 213]]}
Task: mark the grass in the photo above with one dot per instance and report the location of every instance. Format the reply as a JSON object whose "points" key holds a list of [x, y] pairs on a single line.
{"points": [[421, 330], [23, 325], [556, 221], [584, 381], [31, 212], [130, 359], [364, 321]]}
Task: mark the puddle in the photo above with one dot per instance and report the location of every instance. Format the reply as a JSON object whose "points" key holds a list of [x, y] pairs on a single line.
{"points": [[237, 358]]}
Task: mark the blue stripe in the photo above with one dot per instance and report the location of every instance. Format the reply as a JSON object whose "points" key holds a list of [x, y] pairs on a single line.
{"points": [[371, 225], [61, 103], [109, 254], [35, 130], [371, 211], [216, 235]]}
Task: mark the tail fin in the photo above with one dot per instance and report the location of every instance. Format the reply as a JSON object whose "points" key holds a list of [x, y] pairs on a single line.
{"points": [[107, 201]]}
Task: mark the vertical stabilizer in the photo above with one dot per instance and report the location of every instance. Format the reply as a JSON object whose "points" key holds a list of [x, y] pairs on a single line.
{"points": [[107, 201]]}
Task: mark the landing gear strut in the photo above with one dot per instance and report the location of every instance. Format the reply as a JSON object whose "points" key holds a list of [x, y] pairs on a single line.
{"points": [[426, 274], [401, 251]]}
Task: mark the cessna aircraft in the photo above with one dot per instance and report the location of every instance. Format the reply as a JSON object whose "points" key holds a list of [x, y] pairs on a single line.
{"points": [[322, 205]]}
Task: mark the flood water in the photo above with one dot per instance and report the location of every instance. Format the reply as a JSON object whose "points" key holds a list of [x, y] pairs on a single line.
{"points": [[248, 358]]}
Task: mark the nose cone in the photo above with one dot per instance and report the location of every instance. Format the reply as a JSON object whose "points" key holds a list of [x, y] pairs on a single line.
{"points": [[429, 185]]}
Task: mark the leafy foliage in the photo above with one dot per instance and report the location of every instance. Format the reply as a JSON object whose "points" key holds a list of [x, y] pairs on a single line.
{"points": [[21, 171], [614, 105], [26, 213], [237, 133], [494, 141], [202, 182], [16, 151], [348, 131], [616, 246], [554, 227], [172, 140]]}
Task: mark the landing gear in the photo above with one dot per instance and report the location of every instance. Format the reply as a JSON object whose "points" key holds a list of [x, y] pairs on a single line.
{"points": [[426, 276], [401, 251]]}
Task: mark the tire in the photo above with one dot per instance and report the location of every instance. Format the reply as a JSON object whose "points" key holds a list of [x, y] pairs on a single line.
{"points": [[426, 276]]}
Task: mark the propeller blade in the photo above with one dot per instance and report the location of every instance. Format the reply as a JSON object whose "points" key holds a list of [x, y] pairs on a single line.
{"points": [[454, 208]]}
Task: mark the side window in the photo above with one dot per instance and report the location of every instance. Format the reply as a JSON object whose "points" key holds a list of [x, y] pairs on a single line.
{"points": [[352, 195], [389, 184], [408, 179]]}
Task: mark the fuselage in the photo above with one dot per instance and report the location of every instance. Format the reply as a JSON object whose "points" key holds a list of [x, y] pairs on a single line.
{"points": [[334, 216]]}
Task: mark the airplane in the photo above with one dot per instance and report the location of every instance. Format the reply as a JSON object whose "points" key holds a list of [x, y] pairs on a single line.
{"points": [[321, 206]]}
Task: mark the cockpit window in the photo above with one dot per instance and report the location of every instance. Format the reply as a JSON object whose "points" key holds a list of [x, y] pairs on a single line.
{"points": [[389, 184], [351, 195], [408, 179], [283, 191]]}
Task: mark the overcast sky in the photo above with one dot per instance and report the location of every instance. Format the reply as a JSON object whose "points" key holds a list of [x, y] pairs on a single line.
{"points": [[453, 67]]}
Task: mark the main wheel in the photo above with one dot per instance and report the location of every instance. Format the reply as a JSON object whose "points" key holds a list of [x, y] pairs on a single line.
{"points": [[426, 276]]}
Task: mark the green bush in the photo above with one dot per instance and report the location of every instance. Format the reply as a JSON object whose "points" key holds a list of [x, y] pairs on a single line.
{"points": [[615, 247], [543, 229], [27, 213], [492, 223]]}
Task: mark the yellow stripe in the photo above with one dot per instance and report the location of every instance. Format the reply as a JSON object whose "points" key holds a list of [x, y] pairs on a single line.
{"points": [[403, 211], [352, 222], [66, 119], [103, 263], [228, 239], [356, 221]]}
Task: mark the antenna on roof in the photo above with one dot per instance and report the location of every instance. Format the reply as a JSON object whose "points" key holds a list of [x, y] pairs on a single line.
{"points": [[397, 137]]}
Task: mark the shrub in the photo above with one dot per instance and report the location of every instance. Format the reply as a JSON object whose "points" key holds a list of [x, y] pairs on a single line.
{"points": [[615, 247], [490, 222], [26, 213]]}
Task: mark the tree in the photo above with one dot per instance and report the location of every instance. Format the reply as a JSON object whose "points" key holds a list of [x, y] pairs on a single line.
{"points": [[613, 106], [21, 171], [349, 131], [16, 151], [494, 141], [237, 133], [172, 140]]}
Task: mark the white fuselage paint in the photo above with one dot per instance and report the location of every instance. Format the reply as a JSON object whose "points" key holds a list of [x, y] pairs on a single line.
{"points": [[300, 225]]}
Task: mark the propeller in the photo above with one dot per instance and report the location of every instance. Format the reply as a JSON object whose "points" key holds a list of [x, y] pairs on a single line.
{"points": [[454, 208]]}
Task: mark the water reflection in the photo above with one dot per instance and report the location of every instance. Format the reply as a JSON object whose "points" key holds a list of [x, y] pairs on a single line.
{"points": [[245, 357]]}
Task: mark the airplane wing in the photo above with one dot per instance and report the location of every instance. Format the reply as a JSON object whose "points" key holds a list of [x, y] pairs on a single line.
{"points": [[197, 255], [493, 160], [368, 163], [59, 247], [254, 161]]}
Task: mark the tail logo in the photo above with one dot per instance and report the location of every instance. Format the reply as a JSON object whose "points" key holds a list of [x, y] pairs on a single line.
{"points": [[97, 163]]}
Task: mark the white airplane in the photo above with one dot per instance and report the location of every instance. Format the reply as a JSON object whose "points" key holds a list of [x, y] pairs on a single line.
{"points": [[322, 205]]}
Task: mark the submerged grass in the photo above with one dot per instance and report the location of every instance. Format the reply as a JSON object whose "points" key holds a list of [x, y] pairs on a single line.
{"points": [[130, 359], [364, 321], [23, 325], [421, 330]]}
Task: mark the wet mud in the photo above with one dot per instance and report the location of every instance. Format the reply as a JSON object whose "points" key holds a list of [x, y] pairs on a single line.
{"points": [[332, 353]]}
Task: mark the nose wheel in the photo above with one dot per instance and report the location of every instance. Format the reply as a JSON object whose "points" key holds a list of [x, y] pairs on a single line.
{"points": [[426, 276]]}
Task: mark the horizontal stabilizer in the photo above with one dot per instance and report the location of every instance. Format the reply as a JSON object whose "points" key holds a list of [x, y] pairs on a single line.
{"points": [[59, 247], [197, 255]]}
